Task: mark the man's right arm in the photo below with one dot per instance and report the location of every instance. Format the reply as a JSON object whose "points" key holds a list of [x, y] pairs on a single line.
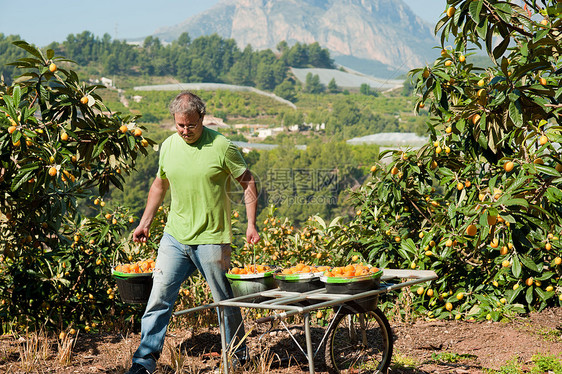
{"points": [[155, 197]]}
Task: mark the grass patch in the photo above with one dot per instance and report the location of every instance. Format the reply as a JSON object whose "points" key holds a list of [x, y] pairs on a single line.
{"points": [[451, 357]]}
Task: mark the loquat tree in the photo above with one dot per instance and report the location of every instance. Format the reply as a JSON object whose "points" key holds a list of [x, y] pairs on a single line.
{"points": [[58, 144], [481, 203]]}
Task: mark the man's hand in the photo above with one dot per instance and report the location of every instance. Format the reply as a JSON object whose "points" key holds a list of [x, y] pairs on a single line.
{"points": [[140, 234], [252, 235]]}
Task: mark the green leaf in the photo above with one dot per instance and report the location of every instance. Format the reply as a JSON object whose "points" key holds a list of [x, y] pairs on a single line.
{"points": [[500, 49], [519, 202], [21, 178], [50, 54], [529, 295], [504, 11], [515, 113], [474, 10], [512, 295], [547, 170], [29, 48], [529, 263], [516, 267], [543, 294]]}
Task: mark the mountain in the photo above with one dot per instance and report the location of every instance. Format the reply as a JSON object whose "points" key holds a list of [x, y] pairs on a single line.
{"points": [[384, 36]]}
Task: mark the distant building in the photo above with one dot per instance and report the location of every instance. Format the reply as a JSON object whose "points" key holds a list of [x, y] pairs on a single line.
{"points": [[214, 122], [396, 139], [107, 82]]}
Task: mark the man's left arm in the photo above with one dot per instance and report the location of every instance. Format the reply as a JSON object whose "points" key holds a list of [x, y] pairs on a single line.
{"points": [[248, 183]]}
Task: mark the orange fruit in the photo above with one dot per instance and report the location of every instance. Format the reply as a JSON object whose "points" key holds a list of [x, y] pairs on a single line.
{"points": [[462, 58], [84, 100], [460, 186], [543, 140], [137, 132], [52, 171], [475, 119], [494, 243], [52, 67], [448, 63], [123, 129], [542, 81], [471, 230], [451, 11], [508, 166], [11, 129], [394, 170], [64, 136]]}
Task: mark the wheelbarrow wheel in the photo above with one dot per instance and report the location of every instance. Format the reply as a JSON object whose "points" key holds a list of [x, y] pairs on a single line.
{"points": [[359, 343]]}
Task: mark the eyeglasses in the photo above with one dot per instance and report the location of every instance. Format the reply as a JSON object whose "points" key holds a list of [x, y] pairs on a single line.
{"points": [[188, 127]]}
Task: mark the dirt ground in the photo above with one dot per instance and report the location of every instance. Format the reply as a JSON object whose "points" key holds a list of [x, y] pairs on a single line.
{"points": [[420, 347]]}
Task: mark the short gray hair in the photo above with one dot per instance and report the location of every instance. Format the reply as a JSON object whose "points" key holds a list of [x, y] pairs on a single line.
{"points": [[187, 102]]}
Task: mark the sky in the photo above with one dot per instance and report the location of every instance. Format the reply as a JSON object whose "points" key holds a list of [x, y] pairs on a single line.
{"points": [[41, 22]]}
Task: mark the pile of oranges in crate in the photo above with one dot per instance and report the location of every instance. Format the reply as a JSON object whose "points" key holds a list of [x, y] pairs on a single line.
{"points": [[250, 269], [143, 266], [302, 268], [351, 270]]}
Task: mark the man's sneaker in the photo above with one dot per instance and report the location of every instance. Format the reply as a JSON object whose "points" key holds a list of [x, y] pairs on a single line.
{"points": [[138, 369]]}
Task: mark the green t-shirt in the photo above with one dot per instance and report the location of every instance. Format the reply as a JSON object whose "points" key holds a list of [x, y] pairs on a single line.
{"points": [[199, 183]]}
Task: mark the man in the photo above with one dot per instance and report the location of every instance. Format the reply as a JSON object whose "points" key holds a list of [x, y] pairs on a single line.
{"points": [[196, 164]]}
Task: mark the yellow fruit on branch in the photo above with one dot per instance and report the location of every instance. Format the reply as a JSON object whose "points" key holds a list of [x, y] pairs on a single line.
{"points": [[495, 243], [449, 306], [471, 230], [475, 118], [451, 11], [462, 58], [53, 67], [508, 166], [84, 100], [123, 129], [543, 140], [53, 171], [137, 132], [529, 281], [12, 129]]}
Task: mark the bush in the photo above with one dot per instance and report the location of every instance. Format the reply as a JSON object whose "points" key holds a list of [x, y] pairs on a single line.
{"points": [[58, 141]]}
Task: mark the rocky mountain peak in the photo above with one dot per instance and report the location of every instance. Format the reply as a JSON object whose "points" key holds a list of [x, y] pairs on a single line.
{"points": [[385, 33]]}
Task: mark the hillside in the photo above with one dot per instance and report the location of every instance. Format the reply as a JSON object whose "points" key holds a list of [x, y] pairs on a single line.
{"points": [[385, 32]]}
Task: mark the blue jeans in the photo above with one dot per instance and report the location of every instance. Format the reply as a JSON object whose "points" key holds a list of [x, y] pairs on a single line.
{"points": [[174, 264]]}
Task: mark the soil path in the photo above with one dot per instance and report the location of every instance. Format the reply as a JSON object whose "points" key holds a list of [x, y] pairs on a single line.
{"points": [[423, 347]]}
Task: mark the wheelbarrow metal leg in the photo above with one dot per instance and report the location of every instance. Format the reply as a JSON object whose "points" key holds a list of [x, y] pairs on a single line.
{"points": [[224, 353], [309, 350]]}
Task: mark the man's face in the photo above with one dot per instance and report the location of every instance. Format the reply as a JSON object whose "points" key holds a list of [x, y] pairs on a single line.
{"points": [[189, 126]]}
